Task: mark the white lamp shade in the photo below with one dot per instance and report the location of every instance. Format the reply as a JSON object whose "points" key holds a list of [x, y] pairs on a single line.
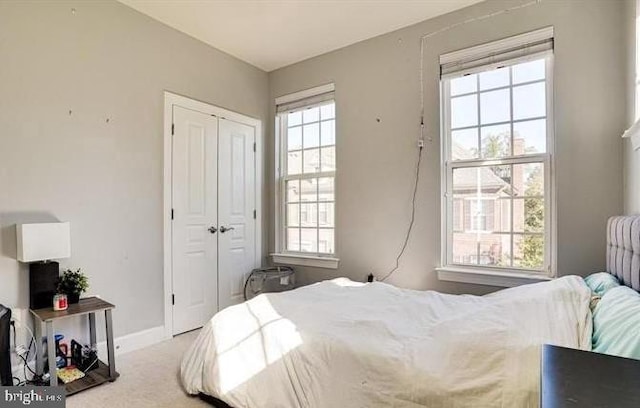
{"points": [[43, 242]]}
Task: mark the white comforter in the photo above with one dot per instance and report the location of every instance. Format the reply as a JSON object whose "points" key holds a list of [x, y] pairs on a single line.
{"points": [[339, 344]]}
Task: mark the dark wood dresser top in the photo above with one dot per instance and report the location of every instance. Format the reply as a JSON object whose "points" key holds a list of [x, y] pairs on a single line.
{"points": [[582, 379]]}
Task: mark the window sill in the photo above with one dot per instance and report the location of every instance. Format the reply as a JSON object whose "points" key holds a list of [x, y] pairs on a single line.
{"points": [[306, 260], [489, 277]]}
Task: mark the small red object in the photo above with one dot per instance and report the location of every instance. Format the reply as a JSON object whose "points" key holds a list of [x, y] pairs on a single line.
{"points": [[60, 302]]}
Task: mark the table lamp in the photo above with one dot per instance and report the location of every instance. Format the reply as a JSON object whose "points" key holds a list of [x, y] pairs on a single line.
{"points": [[39, 245]]}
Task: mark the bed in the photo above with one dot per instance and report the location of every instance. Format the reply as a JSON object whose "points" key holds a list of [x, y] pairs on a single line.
{"points": [[346, 344], [623, 249]]}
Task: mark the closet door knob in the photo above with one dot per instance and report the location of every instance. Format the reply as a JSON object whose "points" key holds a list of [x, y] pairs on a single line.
{"points": [[212, 229], [224, 229]]}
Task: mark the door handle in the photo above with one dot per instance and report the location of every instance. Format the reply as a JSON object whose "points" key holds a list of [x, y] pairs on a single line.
{"points": [[224, 229], [212, 229]]}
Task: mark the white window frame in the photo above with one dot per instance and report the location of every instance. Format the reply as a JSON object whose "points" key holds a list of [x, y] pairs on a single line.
{"points": [[496, 275], [281, 254]]}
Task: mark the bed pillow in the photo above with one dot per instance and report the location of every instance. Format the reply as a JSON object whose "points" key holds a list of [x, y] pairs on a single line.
{"points": [[601, 282], [616, 320]]}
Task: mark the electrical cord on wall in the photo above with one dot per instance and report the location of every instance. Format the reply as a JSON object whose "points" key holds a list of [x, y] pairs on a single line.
{"points": [[423, 41], [35, 379], [413, 217]]}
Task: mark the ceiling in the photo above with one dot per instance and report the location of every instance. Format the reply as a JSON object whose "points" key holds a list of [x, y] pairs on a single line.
{"points": [[271, 34]]}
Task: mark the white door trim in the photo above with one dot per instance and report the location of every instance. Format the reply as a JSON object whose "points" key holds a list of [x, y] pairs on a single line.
{"points": [[171, 99]]}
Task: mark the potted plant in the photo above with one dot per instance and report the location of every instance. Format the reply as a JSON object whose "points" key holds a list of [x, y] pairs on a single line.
{"points": [[73, 284]]}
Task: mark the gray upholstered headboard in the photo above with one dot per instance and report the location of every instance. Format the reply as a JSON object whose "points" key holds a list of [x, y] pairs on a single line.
{"points": [[623, 249]]}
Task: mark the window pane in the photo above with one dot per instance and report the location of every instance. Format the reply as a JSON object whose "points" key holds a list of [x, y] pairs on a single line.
{"points": [[482, 249], [311, 115], [528, 71], [498, 211], [465, 182], [293, 191], [494, 249], [309, 218], [309, 190], [495, 78], [482, 214], [311, 160], [294, 138], [294, 162], [325, 214], [328, 159], [309, 215], [328, 130], [294, 119], [496, 141], [530, 137], [326, 244], [486, 214], [309, 240], [494, 106], [464, 85], [528, 179], [487, 181], [528, 251], [529, 101], [465, 248], [528, 215], [293, 239], [293, 215], [311, 135], [328, 111], [502, 216], [458, 214], [464, 144], [325, 189], [464, 111]]}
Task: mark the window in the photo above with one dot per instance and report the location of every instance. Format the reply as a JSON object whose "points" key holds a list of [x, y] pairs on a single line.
{"points": [[498, 139], [306, 171]]}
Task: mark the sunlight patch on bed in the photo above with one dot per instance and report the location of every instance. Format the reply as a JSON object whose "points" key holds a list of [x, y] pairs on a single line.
{"points": [[344, 282], [256, 342]]}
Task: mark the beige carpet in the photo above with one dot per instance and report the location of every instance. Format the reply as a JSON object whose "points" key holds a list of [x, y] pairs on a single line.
{"points": [[148, 378]]}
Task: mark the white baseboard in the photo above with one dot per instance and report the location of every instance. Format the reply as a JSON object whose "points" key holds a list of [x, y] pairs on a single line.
{"points": [[123, 345], [134, 341]]}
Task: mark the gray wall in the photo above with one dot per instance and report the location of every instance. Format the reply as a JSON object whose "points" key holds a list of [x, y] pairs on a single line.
{"points": [[378, 78], [106, 61], [631, 157]]}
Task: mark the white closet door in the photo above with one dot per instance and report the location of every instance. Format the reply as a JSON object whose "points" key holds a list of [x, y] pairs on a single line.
{"points": [[194, 236], [236, 206]]}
